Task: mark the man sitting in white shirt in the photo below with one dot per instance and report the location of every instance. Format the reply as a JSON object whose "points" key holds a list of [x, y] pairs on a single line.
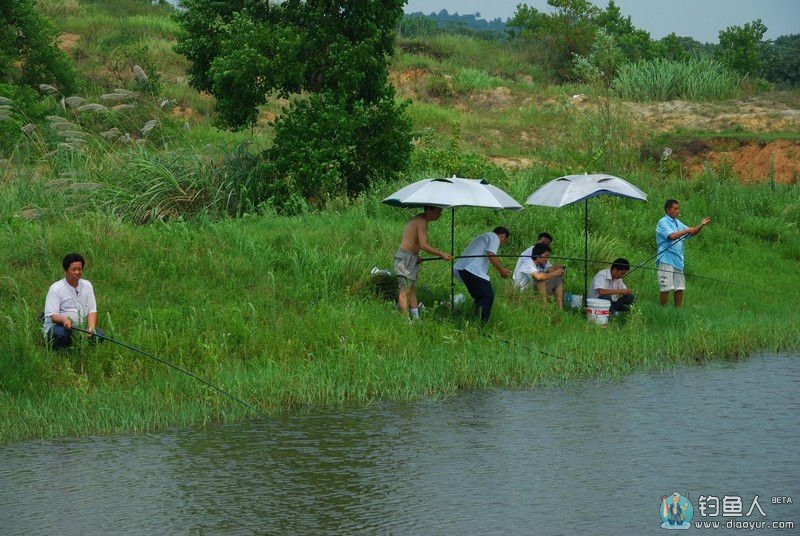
{"points": [[608, 285], [534, 266], [69, 302]]}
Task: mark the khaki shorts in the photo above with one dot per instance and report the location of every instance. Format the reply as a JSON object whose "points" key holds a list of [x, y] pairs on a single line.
{"points": [[670, 278], [406, 267]]}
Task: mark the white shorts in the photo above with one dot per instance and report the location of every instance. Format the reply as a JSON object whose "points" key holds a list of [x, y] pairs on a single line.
{"points": [[670, 278]]}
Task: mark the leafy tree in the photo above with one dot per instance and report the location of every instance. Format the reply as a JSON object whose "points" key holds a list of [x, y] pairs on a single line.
{"points": [[600, 65], [326, 145], [740, 46], [633, 43], [29, 54], [567, 32], [341, 137], [780, 60]]}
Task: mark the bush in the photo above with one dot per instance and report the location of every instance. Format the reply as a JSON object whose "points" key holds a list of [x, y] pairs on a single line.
{"points": [[22, 110], [781, 60], [324, 147], [28, 52], [126, 58]]}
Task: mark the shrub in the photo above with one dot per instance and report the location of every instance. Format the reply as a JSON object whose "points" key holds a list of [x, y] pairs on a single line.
{"points": [[325, 146], [28, 52], [22, 110]]}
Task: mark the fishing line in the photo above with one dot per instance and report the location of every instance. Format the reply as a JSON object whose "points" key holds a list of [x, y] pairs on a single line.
{"points": [[176, 367], [657, 254], [593, 261]]}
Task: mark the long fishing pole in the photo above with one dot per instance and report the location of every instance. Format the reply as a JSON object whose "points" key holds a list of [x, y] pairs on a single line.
{"points": [[176, 367], [591, 261], [658, 253]]}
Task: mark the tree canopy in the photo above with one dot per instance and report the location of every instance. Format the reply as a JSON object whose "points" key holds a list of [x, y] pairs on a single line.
{"points": [[343, 129], [740, 46], [244, 50]]}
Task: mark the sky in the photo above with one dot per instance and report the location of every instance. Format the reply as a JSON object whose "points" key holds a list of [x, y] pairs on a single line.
{"points": [[700, 19]]}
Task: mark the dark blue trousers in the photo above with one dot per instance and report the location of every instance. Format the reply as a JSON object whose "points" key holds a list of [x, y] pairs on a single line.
{"points": [[60, 337], [623, 303], [481, 291]]}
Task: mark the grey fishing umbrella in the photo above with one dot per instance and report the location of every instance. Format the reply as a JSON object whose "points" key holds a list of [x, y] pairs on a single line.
{"points": [[451, 193], [575, 188]]}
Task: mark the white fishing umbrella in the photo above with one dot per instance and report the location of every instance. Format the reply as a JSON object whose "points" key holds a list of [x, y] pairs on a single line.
{"points": [[575, 188], [451, 193]]}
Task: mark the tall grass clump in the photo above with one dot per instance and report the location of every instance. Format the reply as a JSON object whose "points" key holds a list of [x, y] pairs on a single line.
{"points": [[697, 79], [144, 185], [470, 79]]}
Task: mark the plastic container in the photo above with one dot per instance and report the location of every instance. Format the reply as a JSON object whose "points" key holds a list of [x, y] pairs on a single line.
{"points": [[598, 311], [573, 301]]}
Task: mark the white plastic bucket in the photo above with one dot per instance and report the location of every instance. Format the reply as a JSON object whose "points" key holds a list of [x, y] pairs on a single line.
{"points": [[598, 311]]}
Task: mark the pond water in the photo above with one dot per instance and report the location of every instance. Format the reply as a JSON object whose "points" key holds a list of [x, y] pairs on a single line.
{"points": [[588, 458]]}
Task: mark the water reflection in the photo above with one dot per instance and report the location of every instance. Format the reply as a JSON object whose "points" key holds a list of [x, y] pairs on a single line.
{"points": [[590, 458]]}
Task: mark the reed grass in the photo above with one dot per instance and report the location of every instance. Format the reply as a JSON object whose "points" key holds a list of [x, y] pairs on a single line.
{"points": [[697, 79]]}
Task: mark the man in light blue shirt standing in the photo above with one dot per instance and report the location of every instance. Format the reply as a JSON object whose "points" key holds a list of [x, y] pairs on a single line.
{"points": [[670, 235]]}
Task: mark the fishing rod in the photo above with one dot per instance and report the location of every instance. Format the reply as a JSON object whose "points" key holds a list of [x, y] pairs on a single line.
{"points": [[658, 253], [176, 367], [592, 261], [527, 347]]}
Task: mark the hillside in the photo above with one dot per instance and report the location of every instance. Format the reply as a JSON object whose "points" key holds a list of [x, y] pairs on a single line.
{"points": [[486, 95]]}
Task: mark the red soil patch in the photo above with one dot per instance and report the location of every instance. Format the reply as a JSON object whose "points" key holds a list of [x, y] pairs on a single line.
{"points": [[751, 161], [409, 82], [68, 41]]}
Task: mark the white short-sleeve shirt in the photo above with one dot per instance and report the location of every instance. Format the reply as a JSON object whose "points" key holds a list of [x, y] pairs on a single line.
{"points": [[525, 267], [64, 299], [603, 280], [479, 265]]}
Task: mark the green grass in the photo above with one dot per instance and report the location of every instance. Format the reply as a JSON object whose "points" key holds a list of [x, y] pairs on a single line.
{"points": [[237, 301]]}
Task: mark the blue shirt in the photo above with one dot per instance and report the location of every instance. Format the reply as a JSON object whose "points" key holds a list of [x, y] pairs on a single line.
{"points": [[667, 252]]}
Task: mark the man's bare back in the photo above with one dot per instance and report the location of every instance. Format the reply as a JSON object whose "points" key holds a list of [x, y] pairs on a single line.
{"points": [[417, 226]]}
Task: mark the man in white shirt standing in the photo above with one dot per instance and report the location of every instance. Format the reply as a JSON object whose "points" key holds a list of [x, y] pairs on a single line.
{"points": [[69, 302], [608, 285], [472, 268]]}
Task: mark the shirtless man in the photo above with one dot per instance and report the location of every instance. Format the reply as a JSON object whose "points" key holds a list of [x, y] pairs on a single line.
{"points": [[406, 260]]}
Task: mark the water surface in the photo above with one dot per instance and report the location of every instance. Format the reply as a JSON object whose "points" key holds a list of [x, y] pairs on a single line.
{"points": [[588, 458]]}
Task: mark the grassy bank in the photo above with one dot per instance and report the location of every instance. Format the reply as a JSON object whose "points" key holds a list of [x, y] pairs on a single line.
{"points": [[281, 312]]}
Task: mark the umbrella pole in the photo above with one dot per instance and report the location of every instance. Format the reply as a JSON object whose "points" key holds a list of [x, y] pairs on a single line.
{"points": [[452, 254], [585, 251]]}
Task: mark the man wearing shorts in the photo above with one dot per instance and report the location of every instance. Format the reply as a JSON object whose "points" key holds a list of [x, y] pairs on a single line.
{"points": [[406, 260], [670, 236]]}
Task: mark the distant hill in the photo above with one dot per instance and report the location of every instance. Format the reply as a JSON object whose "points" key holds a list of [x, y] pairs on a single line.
{"points": [[471, 21]]}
